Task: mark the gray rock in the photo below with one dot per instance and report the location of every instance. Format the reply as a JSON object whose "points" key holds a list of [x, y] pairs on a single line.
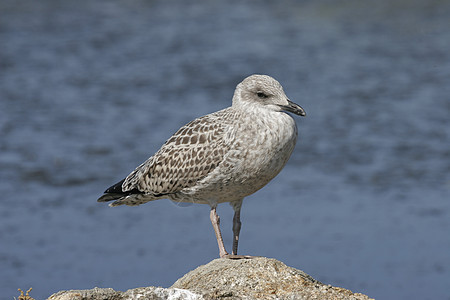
{"points": [[142, 293], [256, 278], [94, 294]]}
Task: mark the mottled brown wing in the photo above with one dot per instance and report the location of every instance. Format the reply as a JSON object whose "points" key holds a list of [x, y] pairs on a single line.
{"points": [[187, 157]]}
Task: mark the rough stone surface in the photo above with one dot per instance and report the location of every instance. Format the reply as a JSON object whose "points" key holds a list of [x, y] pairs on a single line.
{"points": [[94, 294], [256, 278], [142, 293]]}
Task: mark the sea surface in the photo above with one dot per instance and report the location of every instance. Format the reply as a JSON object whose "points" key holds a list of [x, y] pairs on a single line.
{"points": [[90, 89]]}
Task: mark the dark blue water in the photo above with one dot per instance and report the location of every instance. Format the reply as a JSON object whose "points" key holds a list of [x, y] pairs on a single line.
{"points": [[90, 89]]}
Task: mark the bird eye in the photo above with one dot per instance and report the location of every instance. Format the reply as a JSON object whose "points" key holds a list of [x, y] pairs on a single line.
{"points": [[261, 95]]}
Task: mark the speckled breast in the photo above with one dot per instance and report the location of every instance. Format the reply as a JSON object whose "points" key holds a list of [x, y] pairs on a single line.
{"points": [[259, 150]]}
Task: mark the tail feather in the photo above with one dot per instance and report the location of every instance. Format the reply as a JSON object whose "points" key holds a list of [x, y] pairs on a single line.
{"points": [[132, 200]]}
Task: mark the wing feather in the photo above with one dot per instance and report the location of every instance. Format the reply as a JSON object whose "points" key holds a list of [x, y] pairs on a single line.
{"points": [[187, 157]]}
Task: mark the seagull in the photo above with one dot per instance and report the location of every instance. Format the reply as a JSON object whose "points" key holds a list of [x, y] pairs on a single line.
{"points": [[220, 157]]}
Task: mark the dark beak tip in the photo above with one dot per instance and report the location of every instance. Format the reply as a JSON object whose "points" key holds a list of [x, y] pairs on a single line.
{"points": [[295, 108], [299, 111]]}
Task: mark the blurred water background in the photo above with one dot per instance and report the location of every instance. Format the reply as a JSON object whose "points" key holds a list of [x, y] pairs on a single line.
{"points": [[90, 89]]}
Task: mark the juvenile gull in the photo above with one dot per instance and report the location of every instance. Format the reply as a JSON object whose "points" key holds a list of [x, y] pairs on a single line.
{"points": [[221, 157]]}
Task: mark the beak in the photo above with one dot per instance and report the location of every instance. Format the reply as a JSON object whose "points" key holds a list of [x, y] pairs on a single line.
{"points": [[294, 108]]}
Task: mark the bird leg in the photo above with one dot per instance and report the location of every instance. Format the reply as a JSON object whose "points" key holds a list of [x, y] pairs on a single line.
{"points": [[215, 220], [236, 228]]}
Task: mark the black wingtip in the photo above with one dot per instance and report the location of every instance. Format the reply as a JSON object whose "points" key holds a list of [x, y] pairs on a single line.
{"points": [[109, 197], [115, 192], [116, 188]]}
